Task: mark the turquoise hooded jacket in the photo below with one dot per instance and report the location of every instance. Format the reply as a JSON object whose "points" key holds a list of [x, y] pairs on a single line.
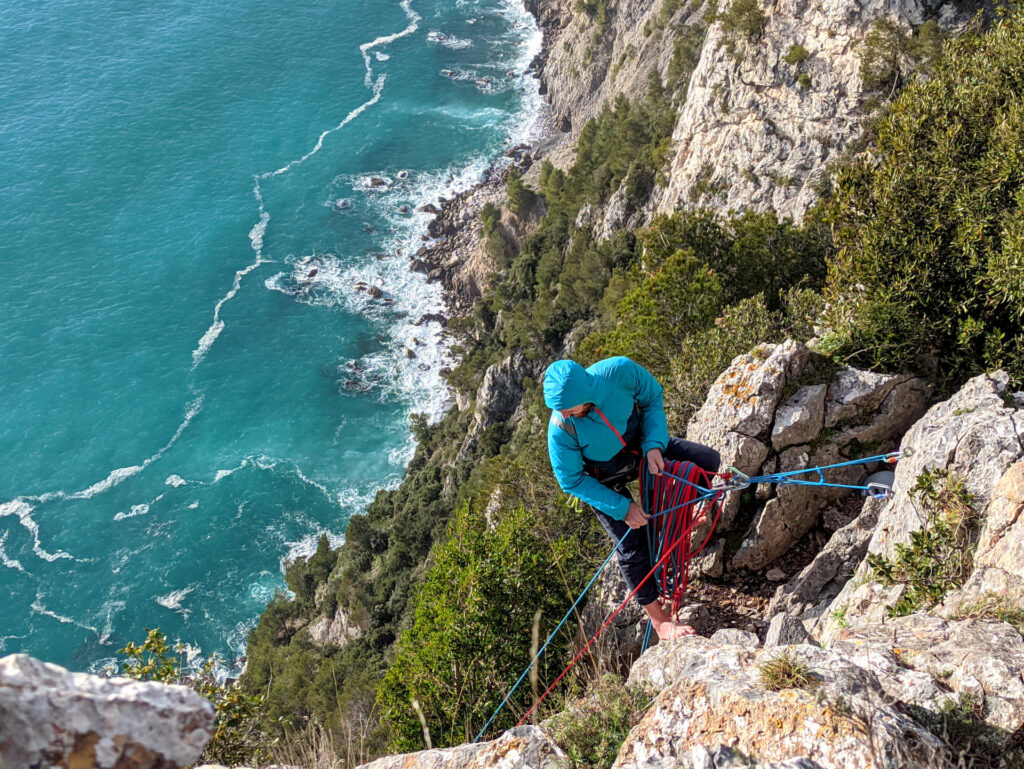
{"points": [[615, 386]]}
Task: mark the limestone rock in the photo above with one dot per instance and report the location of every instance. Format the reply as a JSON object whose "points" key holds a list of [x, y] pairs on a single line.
{"points": [[785, 630], [998, 562], [800, 419], [497, 398], [52, 717], [622, 640], [337, 630], [711, 562], [734, 637], [744, 397], [525, 747], [855, 392], [751, 135], [717, 697], [975, 435], [979, 657], [822, 579]]}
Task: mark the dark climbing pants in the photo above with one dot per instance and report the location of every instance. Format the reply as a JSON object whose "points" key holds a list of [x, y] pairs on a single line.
{"points": [[633, 554]]}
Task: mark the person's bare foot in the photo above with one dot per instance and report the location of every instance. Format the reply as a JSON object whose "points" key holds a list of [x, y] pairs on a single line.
{"points": [[668, 630]]}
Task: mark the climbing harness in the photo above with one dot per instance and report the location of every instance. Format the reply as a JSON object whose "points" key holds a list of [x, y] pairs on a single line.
{"points": [[678, 500]]}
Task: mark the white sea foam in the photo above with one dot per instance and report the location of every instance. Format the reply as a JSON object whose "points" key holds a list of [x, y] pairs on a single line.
{"points": [[37, 607], [6, 560], [305, 547], [135, 511], [175, 481], [380, 56], [173, 600], [193, 505], [448, 41], [222, 474], [110, 608], [20, 508]]}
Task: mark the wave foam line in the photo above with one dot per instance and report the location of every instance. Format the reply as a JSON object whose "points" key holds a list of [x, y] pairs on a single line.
{"points": [[6, 560], [23, 510], [38, 608]]}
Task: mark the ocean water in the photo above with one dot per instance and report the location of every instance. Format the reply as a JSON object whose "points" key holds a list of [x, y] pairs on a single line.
{"points": [[193, 385]]}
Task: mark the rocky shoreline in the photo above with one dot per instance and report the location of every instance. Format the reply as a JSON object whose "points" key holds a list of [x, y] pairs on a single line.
{"points": [[453, 251]]}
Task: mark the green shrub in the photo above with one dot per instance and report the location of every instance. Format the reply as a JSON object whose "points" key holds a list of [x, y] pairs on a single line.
{"points": [[240, 733], [592, 729], [796, 54], [743, 17], [804, 80], [490, 216], [784, 671], [470, 638], [520, 197], [939, 556], [890, 56], [930, 267]]}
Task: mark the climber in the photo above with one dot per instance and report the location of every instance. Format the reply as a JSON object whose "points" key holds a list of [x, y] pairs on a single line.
{"points": [[605, 420]]}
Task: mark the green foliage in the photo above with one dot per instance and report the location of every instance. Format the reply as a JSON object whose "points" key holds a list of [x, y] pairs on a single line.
{"points": [[474, 617], [239, 732], [592, 730], [784, 671], [685, 320], [743, 17], [939, 556], [890, 55], [520, 197], [930, 267], [993, 606], [686, 50], [796, 54], [804, 80], [490, 216]]}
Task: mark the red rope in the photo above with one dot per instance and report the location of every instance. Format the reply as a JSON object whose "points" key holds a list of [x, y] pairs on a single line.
{"points": [[684, 527]]}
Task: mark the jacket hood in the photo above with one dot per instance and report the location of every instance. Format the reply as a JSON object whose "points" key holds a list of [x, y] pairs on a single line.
{"points": [[567, 384]]}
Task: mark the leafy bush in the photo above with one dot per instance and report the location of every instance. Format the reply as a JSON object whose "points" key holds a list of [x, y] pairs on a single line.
{"points": [[930, 267], [592, 730], [470, 638], [796, 54], [239, 734], [939, 556], [890, 55], [743, 17], [520, 197]]}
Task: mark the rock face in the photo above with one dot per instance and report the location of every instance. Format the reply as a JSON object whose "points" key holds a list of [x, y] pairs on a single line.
{"points": [[771, 412], [751, 135], [998, 565], [587, 64], [51, 717], [498, 397], [337, 630], [976, 435], [525, 747], [911, 655], [715, 695]]}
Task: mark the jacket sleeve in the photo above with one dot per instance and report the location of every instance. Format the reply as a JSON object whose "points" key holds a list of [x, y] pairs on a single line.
{"points": [[567, 463], [648, 396]]}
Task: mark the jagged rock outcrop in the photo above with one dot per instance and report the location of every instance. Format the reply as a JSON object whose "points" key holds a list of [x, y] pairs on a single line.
{"points": [[998, 563], [587, 62], [913, 654], [782, 408], [525, 747], [51, 717], [716, 695], [498, 397], [976, 435], [751, 135], [337, 629]]}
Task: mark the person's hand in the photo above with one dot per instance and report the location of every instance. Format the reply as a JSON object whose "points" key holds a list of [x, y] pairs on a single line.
{"points": [[636, 518], [655, 461]]}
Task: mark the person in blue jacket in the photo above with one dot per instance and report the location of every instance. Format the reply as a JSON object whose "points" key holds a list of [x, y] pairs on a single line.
{"points": [[594, 462]]}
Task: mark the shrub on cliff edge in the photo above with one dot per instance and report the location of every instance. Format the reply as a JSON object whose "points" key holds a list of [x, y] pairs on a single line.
{"points": [[929, 226]]}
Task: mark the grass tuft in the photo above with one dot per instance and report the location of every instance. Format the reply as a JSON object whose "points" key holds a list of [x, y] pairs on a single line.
{"points": [[784, 671]]}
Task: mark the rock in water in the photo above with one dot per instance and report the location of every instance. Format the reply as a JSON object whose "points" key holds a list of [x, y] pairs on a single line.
{"points": [[52, 717]]}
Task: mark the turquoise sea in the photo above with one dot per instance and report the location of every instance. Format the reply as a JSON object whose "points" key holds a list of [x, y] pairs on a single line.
{"points": [[193, 385]]}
